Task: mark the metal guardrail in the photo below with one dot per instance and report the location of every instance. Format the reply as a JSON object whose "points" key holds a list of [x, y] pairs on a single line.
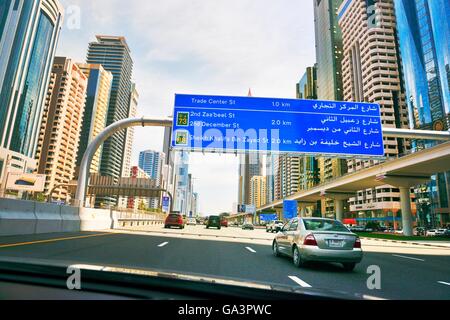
{"points": [[139, 222]]}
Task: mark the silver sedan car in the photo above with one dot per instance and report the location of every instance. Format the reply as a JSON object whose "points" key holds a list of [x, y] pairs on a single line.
{"points": [[317, 239]]}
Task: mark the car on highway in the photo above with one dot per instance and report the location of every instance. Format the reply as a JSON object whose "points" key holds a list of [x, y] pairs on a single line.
{"points": [[319, 240], [274, 226], [224, 223], [191, 222], [214, 222], [440, 232], [431, 233], [358, 229], [174, 220], [400, 231], [248, 226]]}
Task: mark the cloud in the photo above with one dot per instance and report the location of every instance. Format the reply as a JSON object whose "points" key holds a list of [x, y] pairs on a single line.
{"points": [[207, 47]]}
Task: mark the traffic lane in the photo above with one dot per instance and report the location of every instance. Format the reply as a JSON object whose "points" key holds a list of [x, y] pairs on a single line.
{"points": [[201, 230], [204, 257], [7, 240], [240, 261]]}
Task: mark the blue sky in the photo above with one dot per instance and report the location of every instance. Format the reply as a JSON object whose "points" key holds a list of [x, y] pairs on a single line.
{"points": [[221, 47]]}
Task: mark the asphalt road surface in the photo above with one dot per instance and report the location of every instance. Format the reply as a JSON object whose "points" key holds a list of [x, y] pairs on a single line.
{"points": [[407, 271]]}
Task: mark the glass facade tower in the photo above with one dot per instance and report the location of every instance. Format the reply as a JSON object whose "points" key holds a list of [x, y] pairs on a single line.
{"points": [[424, 40], [29, 32]]}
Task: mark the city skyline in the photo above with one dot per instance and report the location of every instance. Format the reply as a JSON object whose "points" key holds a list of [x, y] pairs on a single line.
{"points": [[168, 62]]}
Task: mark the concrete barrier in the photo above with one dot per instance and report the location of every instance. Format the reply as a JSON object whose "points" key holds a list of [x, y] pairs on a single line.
{"points": [[95, 219], [48, 218], [17, 217], [71, 221]]}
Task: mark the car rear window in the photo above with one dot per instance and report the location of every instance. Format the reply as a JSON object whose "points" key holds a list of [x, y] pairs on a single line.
{"points": [[174, 216], [324, 225]]}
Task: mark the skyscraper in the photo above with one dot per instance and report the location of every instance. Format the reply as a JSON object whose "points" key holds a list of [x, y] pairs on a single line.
{"points": [[97, 103], [61, 126], [152, 163], [329, 50], [371, 72], [258, 191], [129, 138], [114, 55], [287, 180], [181, 182], [29, 32], [309, 173], [134, 100], [424, 39], [250, 165]]}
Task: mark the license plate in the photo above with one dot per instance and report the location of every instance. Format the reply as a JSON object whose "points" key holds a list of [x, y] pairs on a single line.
{"points": [[336, 243]]}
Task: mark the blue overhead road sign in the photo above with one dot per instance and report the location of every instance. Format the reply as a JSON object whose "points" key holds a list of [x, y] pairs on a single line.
{"points": [[246, 124], [290, 209]]}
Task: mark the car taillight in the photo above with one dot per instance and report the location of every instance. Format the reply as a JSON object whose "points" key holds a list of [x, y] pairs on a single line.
{"points": [[180, 220], [357, 243], [310, 241]]}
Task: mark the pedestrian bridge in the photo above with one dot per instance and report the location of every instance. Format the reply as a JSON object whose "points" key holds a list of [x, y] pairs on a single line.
{"points": [[403, 173]]}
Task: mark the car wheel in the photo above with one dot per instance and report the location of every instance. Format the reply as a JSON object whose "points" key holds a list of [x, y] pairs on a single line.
{"points": [[297, 258], [349, 266], [275, 249]]}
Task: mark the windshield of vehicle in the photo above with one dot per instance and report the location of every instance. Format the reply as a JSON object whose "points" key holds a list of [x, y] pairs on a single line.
{"points": [[324, 225]]}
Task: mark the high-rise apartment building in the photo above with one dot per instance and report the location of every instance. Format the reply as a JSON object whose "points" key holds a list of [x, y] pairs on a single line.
{"points": [[250, 165], [61, 126], [424, 39], [152, 162], [308, 166], [29, 32], [271, 173], [134, 100], [96, 110], [287, 180], [114, 55], [258, 191], [181, 182], [329, 53], [129, 139], [371, 72]]}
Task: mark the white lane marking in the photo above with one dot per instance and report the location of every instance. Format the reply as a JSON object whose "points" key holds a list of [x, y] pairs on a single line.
{"points": [[300, 282], [405, 257], [444, 283], [163, 244], [250, 249]]}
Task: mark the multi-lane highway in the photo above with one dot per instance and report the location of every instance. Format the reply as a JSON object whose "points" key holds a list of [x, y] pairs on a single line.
{"points": [[407, 271]]}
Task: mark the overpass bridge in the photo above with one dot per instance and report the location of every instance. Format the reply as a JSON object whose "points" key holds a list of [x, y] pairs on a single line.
{"points": [[403, 173]]}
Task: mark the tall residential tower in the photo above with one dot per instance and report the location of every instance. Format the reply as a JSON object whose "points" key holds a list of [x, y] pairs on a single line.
{"points": [[371, 72], [61, 126], [114, 55]]}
